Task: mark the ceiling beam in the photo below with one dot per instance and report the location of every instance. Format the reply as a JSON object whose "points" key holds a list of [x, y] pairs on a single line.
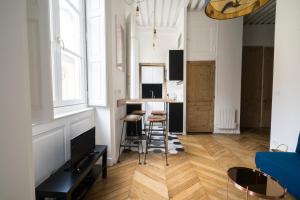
{"points": [[169, 13], [260, 16], [155, 12], [176, 13], [165, 13], [148, 20], [268, 18], [252, 17], [200, 5], [194, 4], [162, 12], [181, 9], [142, 16], [265, 15], [158, 12], [189, 4], [271, 21]]}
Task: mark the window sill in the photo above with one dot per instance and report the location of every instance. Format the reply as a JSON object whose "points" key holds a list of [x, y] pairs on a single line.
{"points": [[70, 113]]}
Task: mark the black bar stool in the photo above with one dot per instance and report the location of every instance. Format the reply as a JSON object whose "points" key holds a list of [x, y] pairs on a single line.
{"points": [[154, 119], [135, 137]]}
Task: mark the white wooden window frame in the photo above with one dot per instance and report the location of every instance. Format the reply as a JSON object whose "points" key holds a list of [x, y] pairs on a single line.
{"points": [[57, 47], [96, 52]]}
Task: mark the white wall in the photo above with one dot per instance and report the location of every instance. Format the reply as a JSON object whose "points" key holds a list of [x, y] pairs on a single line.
{"points": [[118, 81], [259, 35], [166, 40], [285, 124], [107, 119], [221, 41], [202, 34], [180, 26], [39, 50], [16, 168], [132, 58]]}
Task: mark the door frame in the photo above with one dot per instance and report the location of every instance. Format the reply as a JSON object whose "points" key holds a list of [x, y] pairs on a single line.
{"points": [[213, 64], [164, 87]]}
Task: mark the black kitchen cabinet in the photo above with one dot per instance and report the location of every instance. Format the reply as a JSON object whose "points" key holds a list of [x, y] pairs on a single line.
{"points": [[153, 91], [176, 65], [176, 117]]}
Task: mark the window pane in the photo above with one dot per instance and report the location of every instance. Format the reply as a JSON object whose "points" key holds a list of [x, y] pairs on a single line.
{"points": [[72, 77], [70, 27]]}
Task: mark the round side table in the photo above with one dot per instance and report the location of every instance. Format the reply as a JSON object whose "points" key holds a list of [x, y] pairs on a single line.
{"points": [[255, 183]]}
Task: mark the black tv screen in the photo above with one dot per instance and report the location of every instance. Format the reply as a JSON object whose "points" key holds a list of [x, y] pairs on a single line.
{"points": [[82, 145]]}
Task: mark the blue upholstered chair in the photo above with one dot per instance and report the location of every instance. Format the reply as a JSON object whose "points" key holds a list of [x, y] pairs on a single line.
{"points": [[284, 166]]}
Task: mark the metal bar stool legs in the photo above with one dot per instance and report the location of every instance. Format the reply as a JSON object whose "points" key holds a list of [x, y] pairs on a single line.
{"points": [[121, 141], [134, 136], [166, 144], [139, 142], [148, 141], [142, 113], [152, 120]]}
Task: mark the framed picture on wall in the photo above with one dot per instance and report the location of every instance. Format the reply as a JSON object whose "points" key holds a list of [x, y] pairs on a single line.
{"points": [[120, 45]]}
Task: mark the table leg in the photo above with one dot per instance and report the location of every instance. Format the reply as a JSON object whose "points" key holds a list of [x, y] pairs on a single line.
{"points": [[167, 116], [104, 164], [39, 197]]}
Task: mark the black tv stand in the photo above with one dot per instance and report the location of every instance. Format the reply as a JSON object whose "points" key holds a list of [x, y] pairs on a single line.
{"points": [[66, 183]]}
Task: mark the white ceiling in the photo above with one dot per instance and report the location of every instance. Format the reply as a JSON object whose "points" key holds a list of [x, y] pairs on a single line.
{"points": [[265, 15], [195, 5], [167, 13]]}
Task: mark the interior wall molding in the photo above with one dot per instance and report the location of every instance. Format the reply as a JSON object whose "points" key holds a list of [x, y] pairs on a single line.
{"points": [[51, 142]]}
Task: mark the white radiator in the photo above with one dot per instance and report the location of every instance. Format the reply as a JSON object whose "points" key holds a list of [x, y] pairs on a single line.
{"points": [[226, 118]]}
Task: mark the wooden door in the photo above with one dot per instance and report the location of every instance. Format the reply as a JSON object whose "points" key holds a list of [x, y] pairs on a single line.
{"points": [[200, 96], [267, 86], [251, 87]]}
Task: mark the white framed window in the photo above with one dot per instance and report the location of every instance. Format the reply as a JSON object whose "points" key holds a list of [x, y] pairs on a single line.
{"points": [[78, 53], [68, 52]]}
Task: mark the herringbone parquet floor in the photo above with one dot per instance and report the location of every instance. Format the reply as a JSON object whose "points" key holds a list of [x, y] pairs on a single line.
{"points": [[198, 173]]}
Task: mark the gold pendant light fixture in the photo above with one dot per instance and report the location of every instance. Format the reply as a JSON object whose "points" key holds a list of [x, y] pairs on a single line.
{"points": [[228, 9]]}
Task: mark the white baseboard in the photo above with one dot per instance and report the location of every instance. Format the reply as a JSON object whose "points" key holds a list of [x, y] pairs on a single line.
{"points": [[110, 162], [227, 131]]}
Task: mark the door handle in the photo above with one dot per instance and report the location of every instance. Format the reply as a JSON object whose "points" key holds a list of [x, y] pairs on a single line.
{"points": [[60, 42]]}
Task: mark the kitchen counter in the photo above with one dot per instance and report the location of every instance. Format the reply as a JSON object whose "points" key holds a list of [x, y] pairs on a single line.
{"points": [[122, 102], [166, 100], [173, 109]]}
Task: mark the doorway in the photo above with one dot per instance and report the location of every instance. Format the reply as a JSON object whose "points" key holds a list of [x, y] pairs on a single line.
{"points": [[200, 96], [257, 82]]}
